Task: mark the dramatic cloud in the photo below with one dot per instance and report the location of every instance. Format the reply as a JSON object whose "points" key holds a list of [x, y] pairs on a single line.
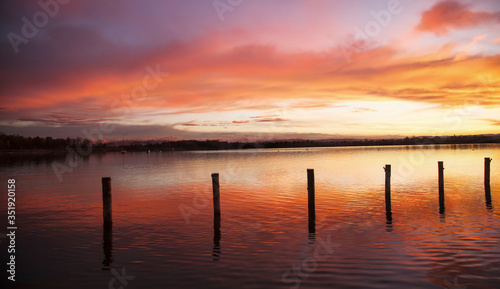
{"points": [[448, 15]]}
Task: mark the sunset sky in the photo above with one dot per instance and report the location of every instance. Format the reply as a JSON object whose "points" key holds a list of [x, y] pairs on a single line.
{"points": [[243, 69]]}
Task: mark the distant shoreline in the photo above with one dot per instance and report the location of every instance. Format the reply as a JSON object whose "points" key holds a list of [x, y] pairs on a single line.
{"points": [[12, 145], [62, 152]]}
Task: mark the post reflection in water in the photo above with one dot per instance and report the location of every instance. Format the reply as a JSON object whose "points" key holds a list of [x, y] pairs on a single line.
{"points": [[487, 192], [442, 218], [312, 224], [217, 234], [388, 221], [107, 245], [441, 207]]}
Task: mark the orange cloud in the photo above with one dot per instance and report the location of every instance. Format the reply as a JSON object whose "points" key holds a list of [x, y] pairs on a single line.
{"points": [[207, 76], [277, 119], [494, 122], [448, 15]]}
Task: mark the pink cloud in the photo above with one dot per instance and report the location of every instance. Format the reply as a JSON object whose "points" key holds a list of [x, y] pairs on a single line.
{"points": [[449, 14]]}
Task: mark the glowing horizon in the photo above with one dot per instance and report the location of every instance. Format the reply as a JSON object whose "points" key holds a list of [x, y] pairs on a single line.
{"points": [[250, 69]]}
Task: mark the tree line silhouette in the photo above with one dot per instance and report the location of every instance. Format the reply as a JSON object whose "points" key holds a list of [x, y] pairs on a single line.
{"points": [[17, 142]]}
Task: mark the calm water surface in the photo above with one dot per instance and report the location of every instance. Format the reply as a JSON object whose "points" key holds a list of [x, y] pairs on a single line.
{"points": [[163, 233]]}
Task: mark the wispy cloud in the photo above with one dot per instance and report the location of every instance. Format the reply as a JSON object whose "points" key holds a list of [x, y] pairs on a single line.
{"points": [[358, 110], [190, 123], [495, 122], [276, 119]]}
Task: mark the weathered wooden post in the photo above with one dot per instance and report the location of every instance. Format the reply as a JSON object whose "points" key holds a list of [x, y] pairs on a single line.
{"points": [[487, 188], [215, 188], [107, 236], [388, 209], [311, 203], [310, 188], [216, 251], [487, 162], [441, 187], [106, 201]]}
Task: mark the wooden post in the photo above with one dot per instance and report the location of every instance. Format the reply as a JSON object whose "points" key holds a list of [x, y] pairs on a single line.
{"points": [[311, 203], [441, 187], [388, 191], [106, 201], [216, 251], [487, 188], [215, 188], [311, 190], [487, 162]]}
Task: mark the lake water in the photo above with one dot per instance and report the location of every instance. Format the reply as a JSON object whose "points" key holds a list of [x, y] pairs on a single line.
{"points": [[163, 233]]}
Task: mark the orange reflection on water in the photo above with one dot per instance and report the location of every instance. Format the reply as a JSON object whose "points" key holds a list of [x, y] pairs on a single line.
{"points": [[163, 215]]}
